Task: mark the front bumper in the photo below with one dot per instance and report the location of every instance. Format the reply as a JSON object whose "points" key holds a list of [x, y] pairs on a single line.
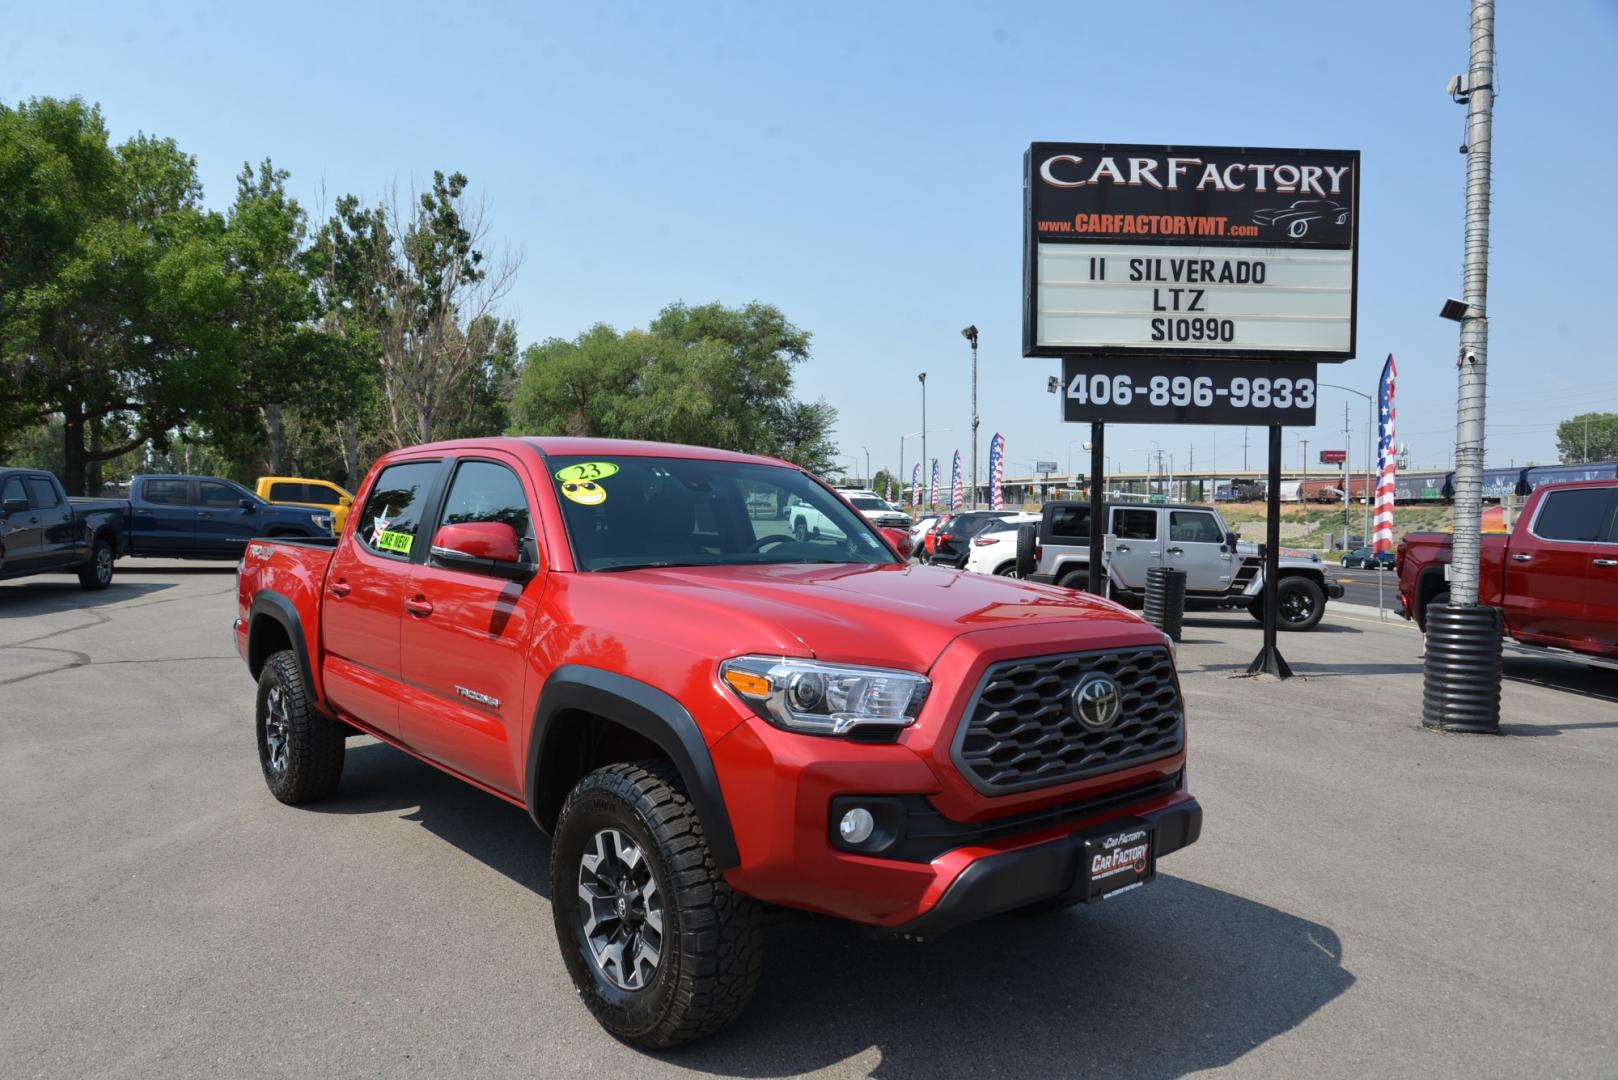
{"points": [[1014, 879]]}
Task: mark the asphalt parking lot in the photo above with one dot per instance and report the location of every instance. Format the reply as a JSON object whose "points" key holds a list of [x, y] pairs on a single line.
{"points": [[1368, 899]]}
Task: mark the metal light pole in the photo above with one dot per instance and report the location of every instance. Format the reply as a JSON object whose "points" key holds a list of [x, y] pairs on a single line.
{"points": [[1473, 369], [971, 334], [924, 459], [902, 480], [868, 476], [1461, 670], [1370, 450]]}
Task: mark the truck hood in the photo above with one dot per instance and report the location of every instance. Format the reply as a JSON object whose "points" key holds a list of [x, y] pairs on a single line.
{"points": [[886, 616]]}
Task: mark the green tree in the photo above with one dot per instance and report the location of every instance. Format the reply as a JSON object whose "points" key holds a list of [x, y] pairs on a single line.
{"points": [[709, 375], [1588, 437], [114, 293]]}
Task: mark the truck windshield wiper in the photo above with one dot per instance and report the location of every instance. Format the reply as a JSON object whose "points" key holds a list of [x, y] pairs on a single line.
{"points": [[648, 565]]}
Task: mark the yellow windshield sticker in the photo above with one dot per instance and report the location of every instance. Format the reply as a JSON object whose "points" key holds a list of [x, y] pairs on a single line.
{"points": [[586, 470], [394, 541], [584, 492]]}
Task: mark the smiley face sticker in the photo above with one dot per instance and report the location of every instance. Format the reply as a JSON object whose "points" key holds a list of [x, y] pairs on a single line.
{"points": [[581, 483]]}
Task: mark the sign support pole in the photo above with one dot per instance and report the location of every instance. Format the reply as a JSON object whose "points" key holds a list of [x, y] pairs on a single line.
{"points": [[1269, 660], [1098, 505]]}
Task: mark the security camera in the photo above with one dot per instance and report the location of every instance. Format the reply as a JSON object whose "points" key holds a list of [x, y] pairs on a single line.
{"points": [[1053, 385], [1471, 357]]}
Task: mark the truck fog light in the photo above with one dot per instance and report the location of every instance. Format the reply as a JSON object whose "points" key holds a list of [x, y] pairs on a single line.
{"points": [[856, 826]]}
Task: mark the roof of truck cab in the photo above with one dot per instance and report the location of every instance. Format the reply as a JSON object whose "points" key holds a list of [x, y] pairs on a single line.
{"points": [[566, 446]]}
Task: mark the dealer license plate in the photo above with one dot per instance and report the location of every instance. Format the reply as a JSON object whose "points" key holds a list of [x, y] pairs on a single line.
{"points": [[1119, 861]]}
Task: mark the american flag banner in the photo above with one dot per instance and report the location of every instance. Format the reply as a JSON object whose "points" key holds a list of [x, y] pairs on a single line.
{"points": [[915, 485], [887, 491], [997, 462], [1387, 458], [932, 497], [955, 484]]}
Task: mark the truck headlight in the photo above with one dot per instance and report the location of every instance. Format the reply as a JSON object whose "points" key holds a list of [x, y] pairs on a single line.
{"points": [[825, 699], [324, 521]]}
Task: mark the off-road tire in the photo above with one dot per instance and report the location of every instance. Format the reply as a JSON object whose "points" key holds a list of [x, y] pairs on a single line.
{"points": [[712, 945], [96, 573], [1075, 579], [314, 743]]}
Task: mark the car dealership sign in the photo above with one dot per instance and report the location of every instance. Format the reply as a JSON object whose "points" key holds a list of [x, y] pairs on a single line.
{"points": [[1190, 251]]}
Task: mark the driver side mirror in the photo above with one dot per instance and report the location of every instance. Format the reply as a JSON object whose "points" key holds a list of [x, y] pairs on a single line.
{"points": [[247, 504], [899, 541], [488, 547], [15, 506]]}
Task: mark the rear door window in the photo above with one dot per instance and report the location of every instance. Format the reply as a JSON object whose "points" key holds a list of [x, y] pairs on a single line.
{"points": [[392, 515], [167, 492], [1580, 516]]}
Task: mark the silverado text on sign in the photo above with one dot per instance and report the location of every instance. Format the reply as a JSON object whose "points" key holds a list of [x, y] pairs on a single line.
{"points": [[1188, 252]]}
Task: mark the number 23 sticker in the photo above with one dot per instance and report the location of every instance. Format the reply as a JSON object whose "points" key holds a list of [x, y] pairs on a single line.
{"points": [[579, 482]]}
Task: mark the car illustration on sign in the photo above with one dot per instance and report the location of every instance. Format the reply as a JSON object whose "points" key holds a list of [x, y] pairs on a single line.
{"points": [[1300, 215]]}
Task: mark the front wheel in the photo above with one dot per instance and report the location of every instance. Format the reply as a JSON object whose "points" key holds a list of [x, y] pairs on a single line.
{"points": [[1301, 603], [657, 943], [96, 574]]}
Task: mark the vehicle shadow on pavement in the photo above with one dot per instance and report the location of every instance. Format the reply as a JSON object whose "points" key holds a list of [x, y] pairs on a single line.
{"points": [[37, 597], [378, 779], [1173, 980], [1594, 682], [1247, 622]]}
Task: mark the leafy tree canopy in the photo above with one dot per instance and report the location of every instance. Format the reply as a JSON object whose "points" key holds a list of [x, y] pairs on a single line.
{"points": [[707, 375], [1588, 437]]}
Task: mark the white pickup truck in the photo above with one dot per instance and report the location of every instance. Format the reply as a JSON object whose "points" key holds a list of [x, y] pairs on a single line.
{"points": [[1221, 570]]}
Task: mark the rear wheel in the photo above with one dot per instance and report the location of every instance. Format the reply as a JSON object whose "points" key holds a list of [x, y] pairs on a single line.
{"points": [[1075, 579], [1006, 569], [800, 530], [96, 574], [300, 751], [660, 947]]}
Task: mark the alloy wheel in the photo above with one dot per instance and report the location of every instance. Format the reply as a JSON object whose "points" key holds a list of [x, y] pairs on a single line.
{"points": [[622, 911], [277, 729]]}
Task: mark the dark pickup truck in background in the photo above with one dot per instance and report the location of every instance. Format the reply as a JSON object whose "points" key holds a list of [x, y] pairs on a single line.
{"points": [[1555, 577], [43, 531]]}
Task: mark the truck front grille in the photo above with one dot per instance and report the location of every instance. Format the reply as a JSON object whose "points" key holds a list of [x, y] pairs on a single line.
{"points": [[1021, 731]]}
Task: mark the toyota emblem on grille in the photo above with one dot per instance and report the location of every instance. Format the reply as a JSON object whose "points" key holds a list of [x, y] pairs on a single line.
{"points": [[1097, 702]]}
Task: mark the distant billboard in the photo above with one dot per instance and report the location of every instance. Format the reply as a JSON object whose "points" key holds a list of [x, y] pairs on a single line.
{"points": [[1333, 457]]}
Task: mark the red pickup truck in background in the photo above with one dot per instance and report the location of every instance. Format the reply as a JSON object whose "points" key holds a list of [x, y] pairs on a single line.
{"points": [[1555, 576], [710, 714]]}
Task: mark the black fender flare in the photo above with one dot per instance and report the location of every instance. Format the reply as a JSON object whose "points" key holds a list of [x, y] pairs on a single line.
{"points": [[649, 713], [279, 609]]}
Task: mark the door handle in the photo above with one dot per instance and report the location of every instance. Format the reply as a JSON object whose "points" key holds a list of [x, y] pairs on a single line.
{"points": [[1522, 558], [1122, 549], [419, 607], [1176, 551], [1607, 562], [340, 589]]}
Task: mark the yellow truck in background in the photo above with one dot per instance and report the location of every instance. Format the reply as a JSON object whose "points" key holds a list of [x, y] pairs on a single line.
{"points": [[302, 491]]}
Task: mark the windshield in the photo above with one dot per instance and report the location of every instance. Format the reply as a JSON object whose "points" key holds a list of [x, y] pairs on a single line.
{"points": [[863, 502], [624, 513]]}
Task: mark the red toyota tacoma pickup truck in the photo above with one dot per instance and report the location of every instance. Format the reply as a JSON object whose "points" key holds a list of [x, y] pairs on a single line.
{"points": [[711, 716], [1555, 576]]}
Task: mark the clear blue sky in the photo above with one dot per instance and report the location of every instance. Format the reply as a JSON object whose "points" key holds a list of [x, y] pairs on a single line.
{"points": [[859, 165]]}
